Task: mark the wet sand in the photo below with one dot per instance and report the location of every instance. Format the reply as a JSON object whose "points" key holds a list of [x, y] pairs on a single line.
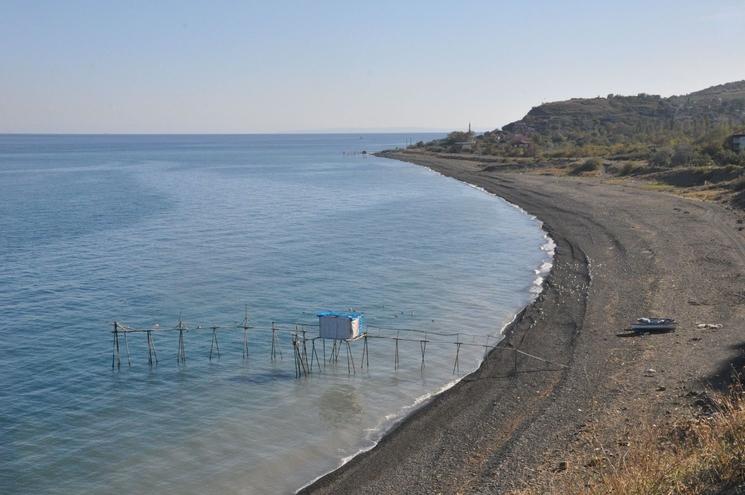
{"points": [[622, 252]]}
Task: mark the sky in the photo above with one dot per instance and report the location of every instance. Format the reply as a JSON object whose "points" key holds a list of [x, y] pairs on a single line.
{"points": [[322, 66]]}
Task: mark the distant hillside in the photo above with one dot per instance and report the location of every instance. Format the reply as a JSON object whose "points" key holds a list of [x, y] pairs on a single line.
{"points": [[641, 118], [688, 130], [682, 141]]}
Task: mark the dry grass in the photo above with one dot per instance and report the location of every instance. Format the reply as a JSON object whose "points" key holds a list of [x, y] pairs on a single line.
{"points": [[657, 186], [701, 456]]}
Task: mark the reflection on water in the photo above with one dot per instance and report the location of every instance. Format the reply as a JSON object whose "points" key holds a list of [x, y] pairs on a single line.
{"points": [[339, 404]]}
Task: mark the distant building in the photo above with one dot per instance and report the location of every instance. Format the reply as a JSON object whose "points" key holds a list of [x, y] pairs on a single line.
{"points": [[737, 142]]}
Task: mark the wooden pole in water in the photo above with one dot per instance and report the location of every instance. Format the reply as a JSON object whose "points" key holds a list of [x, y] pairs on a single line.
{"points": [[126, 348], [294, 354], [395, 357], [301, 368], [456, 366], [181, 353], [303, 359], [334, 354], [348, 353], [152, 356], [365, 355], [275, 344], [313, 353], [115, 348], [350, 358], [245, 334], [305, 347], [214, 342]]}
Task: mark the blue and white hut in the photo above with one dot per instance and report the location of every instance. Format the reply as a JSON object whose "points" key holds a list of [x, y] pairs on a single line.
{"points": [[340, 325]]}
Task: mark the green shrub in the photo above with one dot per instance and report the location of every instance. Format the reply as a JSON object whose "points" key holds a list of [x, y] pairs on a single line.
{"points": [[661, 158], [589, 165], [627, 169]]}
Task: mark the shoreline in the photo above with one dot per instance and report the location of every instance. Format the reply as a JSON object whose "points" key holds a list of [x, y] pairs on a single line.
{"points": [[508, 422], [537, 288], [497, 361]]}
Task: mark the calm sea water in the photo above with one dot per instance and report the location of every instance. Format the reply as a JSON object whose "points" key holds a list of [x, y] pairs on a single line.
{"points": [[141, 229]]}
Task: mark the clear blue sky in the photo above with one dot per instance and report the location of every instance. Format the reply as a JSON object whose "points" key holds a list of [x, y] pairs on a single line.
{"points": [[273, 66]]}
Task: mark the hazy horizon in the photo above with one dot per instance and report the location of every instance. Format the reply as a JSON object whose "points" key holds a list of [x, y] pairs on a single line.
{"points": [[330, 67], [393, 130]]}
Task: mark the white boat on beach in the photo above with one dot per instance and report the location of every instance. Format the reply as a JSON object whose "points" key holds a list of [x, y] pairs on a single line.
{"points": [[654, 325]]}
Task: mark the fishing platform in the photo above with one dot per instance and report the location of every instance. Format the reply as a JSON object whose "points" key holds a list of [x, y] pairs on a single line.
{"points": [[308, 341]]}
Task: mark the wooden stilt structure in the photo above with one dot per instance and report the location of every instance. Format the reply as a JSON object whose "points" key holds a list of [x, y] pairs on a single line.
{"points": [[304, 358]]}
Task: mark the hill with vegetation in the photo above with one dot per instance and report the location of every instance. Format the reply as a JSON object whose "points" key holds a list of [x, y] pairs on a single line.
{"points": [[624, 135], [633, 119], [614, 124]]}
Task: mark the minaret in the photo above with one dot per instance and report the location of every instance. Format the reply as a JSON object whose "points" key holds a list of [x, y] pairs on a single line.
{"points": [[469, 128]]}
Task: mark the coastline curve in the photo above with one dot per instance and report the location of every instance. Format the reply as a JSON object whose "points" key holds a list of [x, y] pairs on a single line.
{"points": [[387, 466]]}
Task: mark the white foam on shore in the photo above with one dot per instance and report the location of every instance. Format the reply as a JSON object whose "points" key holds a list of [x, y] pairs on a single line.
{"points": [[548, 247], [391, 420]]}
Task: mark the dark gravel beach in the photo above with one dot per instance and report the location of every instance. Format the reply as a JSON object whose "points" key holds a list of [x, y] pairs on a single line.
{"points": [[622, 252]]}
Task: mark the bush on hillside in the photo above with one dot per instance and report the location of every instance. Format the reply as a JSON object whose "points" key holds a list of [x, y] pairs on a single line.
{"points": [[661, 158], [589, 165]]}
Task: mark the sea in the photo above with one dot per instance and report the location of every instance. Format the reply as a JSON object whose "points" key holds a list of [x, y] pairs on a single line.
{"points": [[214, 231]]}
